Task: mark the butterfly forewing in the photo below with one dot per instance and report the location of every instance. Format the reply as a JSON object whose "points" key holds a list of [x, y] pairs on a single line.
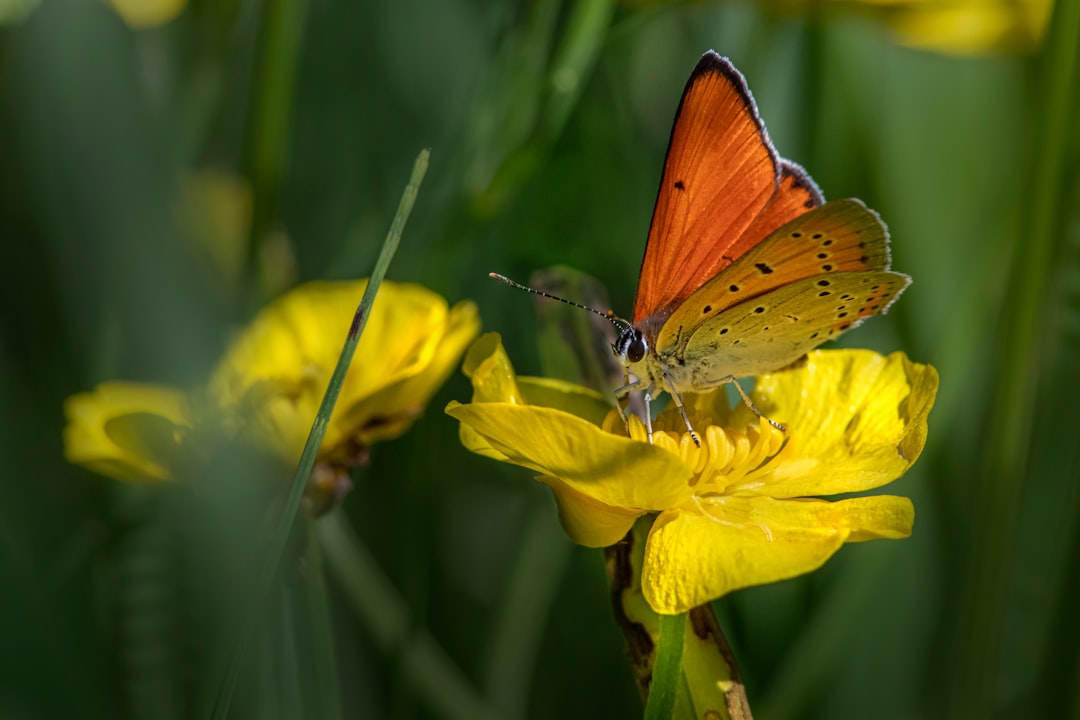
{"points": [[796, 195], [721, 171], [774, 330]]}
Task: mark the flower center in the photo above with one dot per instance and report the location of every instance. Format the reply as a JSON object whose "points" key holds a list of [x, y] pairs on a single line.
{"points": [[726, 455]]}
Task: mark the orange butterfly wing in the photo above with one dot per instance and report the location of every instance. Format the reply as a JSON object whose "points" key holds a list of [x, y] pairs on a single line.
{"points": [[723, 189], [797, 195]]}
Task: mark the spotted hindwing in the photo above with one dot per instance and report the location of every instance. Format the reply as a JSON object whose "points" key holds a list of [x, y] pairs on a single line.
{"points": [[777, 328], [840, 236]]}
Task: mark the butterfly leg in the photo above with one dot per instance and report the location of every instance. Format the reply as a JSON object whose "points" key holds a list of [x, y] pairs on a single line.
{"points": [[749, 403], [648, 411], [677, 399]]}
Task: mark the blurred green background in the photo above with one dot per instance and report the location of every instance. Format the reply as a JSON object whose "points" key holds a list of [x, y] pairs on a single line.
{"points": [[159, 184]]}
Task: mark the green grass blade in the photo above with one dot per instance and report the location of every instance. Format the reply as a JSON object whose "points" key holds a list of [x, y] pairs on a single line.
{"points": [[434, 678], [265, 580], [317, 607], [1023, 333], [280, 38]]}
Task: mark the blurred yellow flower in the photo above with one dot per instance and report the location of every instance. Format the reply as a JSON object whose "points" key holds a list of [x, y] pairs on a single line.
{"points": [[128, 431], [144, 14], [744, 508], [268, 387], [954, 26], [276, 371]]}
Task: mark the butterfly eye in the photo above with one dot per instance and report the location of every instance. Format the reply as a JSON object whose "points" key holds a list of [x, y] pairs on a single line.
{"points": [[631, 345]]}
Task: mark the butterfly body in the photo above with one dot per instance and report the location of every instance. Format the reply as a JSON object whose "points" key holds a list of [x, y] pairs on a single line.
{"points": [[746, 267]]}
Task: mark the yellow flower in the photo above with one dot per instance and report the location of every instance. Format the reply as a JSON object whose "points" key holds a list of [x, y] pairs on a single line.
{"points": [[145, 14], [954, 26], [278, 368], [269, 385], [968, 26], [128, 431], [743, 509]]}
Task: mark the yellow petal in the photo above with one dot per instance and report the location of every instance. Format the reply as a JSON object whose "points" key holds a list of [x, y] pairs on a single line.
{"points": [[855, 420], [588, 521], [695, 556], [493, 378], [566, 396], [492, 374], [387, 413], [128, 431], [613, 470]]}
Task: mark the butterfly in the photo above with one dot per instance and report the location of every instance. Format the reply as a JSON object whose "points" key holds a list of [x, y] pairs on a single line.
{"points": [[746, 267]]}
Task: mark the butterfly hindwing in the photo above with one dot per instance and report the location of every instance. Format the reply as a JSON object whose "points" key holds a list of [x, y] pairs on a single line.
{"points": [[775, 329], [719, 174], [840, 236]]}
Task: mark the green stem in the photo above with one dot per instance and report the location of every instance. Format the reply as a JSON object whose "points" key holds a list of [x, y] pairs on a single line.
{"points": [[425, 666], [667, 672], [265, 581]]}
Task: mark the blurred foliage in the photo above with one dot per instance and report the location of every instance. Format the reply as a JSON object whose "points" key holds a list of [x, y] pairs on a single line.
{"points": [[548, 123]]}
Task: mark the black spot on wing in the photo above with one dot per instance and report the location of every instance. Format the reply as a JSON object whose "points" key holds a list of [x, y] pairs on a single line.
{"points": [[680, 185], [763, 268]]}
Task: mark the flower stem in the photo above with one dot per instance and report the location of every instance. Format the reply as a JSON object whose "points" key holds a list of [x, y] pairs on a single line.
{"points": [[265, 581], [668, 668]]}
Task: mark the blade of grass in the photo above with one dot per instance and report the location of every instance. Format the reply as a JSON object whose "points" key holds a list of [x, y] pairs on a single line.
{"points": [[280, 38], [522, 616], [1023, 331], [286, 668], [328, 690], [265, 581], [575, 55], [437, 682]]}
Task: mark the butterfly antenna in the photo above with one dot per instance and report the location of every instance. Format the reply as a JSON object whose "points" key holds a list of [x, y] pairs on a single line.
{"points": [[608, 315]]}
